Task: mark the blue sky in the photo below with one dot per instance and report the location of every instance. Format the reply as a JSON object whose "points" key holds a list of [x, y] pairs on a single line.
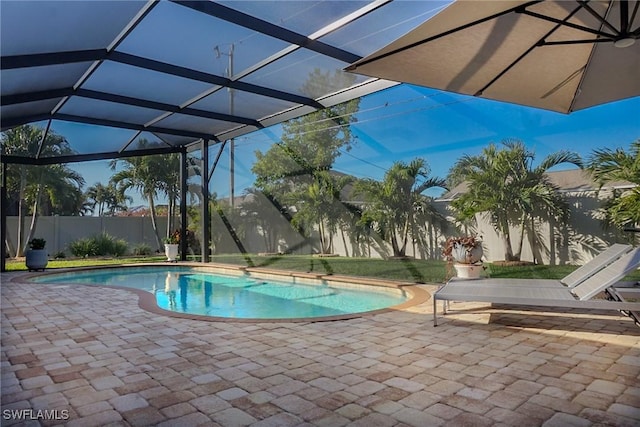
{"points": [[406, 122], [441, 127]]}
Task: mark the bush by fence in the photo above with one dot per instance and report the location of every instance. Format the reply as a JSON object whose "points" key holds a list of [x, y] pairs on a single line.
{"points": [[99, 245]]}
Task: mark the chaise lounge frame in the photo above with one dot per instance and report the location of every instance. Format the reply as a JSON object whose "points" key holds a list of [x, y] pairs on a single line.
{"points": [[548, 293]]}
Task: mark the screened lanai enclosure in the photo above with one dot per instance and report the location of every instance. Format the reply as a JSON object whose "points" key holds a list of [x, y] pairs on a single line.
{"points": [[134, 78], [275, 148]]}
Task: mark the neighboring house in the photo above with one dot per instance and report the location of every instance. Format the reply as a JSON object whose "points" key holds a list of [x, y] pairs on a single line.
{"points": [[134, 211], [577, 241]]}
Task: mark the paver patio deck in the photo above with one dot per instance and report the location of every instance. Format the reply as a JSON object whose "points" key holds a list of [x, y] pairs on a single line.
{"points": [[91, 353]]}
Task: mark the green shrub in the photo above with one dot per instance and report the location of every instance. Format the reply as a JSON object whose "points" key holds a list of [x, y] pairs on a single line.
{"points": [[85, 247], [104, 243], [37, 243], [142, 249], [120, 247], [99, 245]]}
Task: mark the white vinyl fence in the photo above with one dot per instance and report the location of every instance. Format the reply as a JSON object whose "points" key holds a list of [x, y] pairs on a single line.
{"points": [[59, 231], [576, 242]]}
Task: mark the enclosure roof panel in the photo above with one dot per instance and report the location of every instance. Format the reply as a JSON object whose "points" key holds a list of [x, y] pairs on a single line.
{"points": [[178, 72]]}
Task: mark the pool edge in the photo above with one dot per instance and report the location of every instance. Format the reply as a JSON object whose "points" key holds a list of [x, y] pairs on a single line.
{"points": [[147, 301]]}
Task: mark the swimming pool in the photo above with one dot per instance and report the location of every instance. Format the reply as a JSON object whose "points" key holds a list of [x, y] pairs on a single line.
{"points": [[205, 292]]}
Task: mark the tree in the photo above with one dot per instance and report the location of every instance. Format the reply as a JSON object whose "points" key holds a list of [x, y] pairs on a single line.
{"points": [[260, 211], [319, 205], [107, 199], [141, 174], [152, 176], [168, 167], [67, 199], [504, 184], [295, 171], [30, 188], [396, 205], [606, 166]]}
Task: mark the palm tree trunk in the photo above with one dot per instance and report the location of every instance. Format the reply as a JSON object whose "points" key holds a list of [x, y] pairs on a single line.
{"points": [[172, 212], [171, 225], [506, 239], [394, 245], [320, 237], [323, 238], [11, 250], [154, 224], [533, 242], [34, 218], [518, 255], [23, 186], [405, 238], [169, 218], [344, 242], [430, 245]]}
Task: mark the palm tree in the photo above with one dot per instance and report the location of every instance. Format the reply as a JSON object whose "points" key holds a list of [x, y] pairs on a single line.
{"points": [[106, 198], [168, 167], [152, 176], [35, 186], [504, 184], [52, 182], [319, 205], [67, 200], [141, 174], [397, 206], [607, 165]]}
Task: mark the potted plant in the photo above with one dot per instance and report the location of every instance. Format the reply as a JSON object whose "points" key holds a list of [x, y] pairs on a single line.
{"points": [[36, 256], [465, 253], [171, 246]]}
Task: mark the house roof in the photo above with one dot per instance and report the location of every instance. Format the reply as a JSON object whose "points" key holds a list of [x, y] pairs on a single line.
{"points": [[169, 74]]}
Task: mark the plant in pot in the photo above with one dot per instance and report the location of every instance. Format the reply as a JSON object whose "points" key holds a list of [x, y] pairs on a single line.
{"points": [[171, 246], [465, 253], [36, 256]]}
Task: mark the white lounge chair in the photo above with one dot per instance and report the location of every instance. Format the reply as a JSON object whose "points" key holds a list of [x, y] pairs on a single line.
{"points": [[576, 277], [624, 290], [532, 292], [599, 262]]}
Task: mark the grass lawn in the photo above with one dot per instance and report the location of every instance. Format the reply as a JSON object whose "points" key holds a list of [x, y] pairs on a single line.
{"points": [[419, 271], [19, 265]]}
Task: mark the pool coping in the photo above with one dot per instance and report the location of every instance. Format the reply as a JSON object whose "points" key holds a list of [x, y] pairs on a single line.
{"points": [[147, 301]]}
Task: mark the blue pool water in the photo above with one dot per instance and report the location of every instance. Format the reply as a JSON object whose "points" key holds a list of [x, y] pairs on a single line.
{"points": [[186, 290]]}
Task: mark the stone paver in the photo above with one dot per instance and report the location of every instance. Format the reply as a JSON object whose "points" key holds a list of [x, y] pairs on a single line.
{"points": [[566, 420], [606, 387], [128, 402], [232, 417], [95, 354]]}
